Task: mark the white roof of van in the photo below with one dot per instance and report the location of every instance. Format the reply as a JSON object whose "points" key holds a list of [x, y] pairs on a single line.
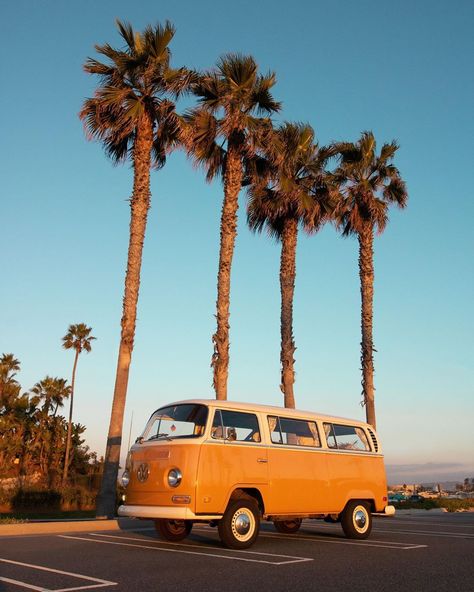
{"points": [[273, 409]]}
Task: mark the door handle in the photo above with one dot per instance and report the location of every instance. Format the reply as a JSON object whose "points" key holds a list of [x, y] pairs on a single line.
{"points": [[262, 460]]}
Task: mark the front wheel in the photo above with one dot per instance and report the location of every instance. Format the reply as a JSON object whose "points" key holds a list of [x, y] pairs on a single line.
{"points": [[287, 526], [238, 527], [173, 530], [356, 520]]}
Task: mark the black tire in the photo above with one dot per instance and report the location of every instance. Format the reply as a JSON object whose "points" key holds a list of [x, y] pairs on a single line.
{"points": [[356, 520], [173, 530], [287, 526], [238, 528]]}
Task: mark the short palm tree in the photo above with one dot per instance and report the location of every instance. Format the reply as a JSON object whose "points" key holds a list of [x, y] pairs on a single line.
{"points": [[52, 392], [290, 192], [9, 387], [133, 115], [78, 338], [219, 134], [368, 184]]}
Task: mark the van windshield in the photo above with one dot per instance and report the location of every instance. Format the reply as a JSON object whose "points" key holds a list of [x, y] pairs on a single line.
{"points": [[177, 421]]}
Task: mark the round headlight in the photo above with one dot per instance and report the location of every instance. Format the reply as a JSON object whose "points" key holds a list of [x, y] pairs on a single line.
{"points": [[125, 478], [174, 477]]}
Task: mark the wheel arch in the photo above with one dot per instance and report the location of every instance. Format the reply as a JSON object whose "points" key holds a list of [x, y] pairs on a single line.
{"points": [[244, 492], [370, 500]]}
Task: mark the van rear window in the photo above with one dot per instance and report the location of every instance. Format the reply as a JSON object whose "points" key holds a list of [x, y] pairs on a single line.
{"points": [[294, 432], [344, 437]]}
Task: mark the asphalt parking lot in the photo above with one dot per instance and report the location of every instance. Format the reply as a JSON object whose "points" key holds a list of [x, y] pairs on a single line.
{"points": [[416, 551]]}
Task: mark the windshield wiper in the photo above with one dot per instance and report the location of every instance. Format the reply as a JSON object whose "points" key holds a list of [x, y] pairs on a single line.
{"points": [[157, 436]]}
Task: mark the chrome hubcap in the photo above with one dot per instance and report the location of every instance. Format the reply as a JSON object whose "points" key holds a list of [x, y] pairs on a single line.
{"points": [[242, 524], [360, 519]]}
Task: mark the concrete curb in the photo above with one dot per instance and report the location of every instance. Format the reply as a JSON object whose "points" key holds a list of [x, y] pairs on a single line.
{"points": [[58, 527]]}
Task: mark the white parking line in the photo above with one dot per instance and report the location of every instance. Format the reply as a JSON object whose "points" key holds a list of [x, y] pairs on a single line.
{"points": [[360, 543], [291, 559], [160, 542], [98, 582], [427, 522], [448, 535], [23, 584], [404, 530], [325, 539]]}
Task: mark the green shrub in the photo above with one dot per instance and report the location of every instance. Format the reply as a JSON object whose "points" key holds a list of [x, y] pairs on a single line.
{"points": [[455, 505], [78, 498], [9, 520], [451, 505], [37, 499]]}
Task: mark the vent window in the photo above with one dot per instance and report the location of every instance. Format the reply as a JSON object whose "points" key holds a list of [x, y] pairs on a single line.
{"points": [[374, 440]]}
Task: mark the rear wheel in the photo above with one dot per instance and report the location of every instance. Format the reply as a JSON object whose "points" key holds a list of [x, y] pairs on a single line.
{"points": [[287, 526], [356, 520], [239, 526], [173, 530]]}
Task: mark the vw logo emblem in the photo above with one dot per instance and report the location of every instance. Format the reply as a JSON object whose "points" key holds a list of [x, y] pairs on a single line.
{"points": [[142, 472]]}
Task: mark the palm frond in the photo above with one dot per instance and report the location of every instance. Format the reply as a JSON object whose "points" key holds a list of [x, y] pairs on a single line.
{"points": [[261, 96], [238, 71], [126, 32], [180, 81], [158, 38]]}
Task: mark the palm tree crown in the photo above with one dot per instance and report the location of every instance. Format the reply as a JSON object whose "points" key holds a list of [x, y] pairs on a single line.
{"points": [[52, 391], [232, 98], [292, 183], [368, 184], [9, 387], [136, 84], [78, 337]]}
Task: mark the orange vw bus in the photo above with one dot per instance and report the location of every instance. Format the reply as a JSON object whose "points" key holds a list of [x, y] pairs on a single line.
{"points": [[233, 464]]}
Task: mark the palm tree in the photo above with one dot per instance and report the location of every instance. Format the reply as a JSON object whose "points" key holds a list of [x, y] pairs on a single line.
{"points": [[219, 134], [289, 192], [368, 183], [78, 338], [50, 428], [132, 114], [52, 391], [9, 387]]}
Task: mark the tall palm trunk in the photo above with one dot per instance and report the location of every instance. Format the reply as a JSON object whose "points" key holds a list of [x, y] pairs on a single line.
{"points": [[289, 239], [139, 205], [366, 272], [232, 184], [69, 424]]}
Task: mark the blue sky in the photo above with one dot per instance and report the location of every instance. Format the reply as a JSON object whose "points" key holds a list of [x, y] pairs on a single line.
{"points": [[400, 69]]}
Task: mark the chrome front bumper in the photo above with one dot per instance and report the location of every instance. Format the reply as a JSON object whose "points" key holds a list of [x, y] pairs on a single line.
{"points": [[165, 512]]}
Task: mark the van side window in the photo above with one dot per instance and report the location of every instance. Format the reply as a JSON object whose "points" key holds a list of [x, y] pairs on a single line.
{"points": [[346, 437], [294, 432], [235, 426]]}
